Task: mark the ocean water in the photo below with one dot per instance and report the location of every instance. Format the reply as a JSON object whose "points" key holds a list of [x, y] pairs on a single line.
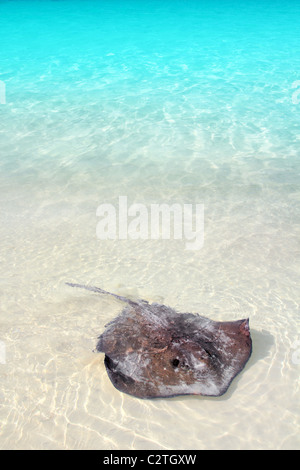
{"points": [[188, 102]]}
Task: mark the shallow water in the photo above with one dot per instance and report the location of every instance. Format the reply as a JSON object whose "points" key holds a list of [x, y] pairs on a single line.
{"points": [[163, 102]]}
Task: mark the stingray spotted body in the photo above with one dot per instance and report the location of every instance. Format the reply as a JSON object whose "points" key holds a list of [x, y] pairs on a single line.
{"points": [[153, 351]]}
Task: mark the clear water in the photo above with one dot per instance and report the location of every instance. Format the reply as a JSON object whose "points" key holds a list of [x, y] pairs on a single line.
{"points": [[162, 101]]}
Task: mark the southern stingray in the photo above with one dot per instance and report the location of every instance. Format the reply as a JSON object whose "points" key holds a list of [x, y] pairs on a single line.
{"points": [[152, 351]]}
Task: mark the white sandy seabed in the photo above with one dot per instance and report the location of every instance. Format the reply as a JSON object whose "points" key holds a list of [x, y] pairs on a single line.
{"points": [[55, 392]]}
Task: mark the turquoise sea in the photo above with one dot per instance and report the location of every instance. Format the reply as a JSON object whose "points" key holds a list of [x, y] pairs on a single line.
{"points": [[188, 102]]}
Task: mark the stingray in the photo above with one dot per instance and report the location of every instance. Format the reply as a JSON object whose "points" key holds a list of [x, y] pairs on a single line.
{"points": [[153, 351]]}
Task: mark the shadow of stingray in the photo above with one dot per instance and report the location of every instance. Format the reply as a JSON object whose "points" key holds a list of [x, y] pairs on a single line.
{"points": [[261, 344], [262, 341]]}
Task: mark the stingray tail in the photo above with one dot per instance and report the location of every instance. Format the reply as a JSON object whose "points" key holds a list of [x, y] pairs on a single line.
{"points": [[100, 291]]}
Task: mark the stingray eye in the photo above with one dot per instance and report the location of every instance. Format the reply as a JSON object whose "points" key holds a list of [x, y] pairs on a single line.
{"points": [[175, 362]]}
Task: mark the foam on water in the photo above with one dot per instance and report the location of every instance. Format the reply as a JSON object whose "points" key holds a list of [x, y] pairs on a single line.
{"points": [[162, 101]]}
